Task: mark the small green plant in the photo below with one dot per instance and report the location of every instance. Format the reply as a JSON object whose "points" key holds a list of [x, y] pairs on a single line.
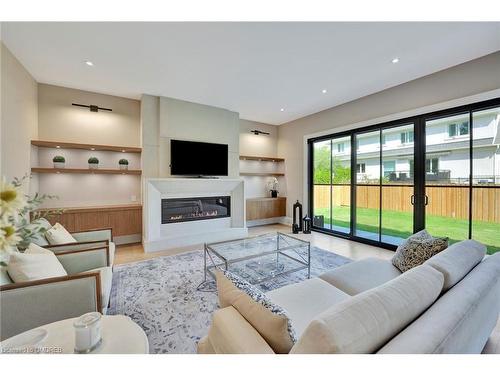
{"points": [[123, 162], [59, 159], [93, 160]]}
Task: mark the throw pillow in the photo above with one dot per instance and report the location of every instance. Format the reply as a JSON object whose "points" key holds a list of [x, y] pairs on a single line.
{"points": [[270, 320], [58, 235], [418, 248], [34, 264]]}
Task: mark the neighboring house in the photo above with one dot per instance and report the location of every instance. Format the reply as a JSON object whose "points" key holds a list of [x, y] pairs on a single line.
{"points": [[447, 150]]}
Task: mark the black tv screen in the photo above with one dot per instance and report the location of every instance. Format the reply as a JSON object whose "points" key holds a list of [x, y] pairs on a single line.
{"points": [[198, 158]]}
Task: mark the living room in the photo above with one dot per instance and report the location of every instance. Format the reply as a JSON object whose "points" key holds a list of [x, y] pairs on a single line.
{"points": [[297, 200]]}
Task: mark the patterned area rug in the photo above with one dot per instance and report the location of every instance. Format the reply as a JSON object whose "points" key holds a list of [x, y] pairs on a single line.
{"points": [[160, 295]]}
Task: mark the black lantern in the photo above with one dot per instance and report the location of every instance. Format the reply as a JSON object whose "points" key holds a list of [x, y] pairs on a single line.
{"points": [[307, 225], [297, 220]]}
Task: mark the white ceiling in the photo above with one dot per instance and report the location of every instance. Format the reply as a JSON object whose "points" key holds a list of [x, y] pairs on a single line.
{"points": [[251, 68]]}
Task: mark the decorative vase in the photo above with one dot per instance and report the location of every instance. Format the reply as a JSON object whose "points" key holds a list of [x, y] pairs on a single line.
{"points": [[123, 167], [274, 193], [93, 166], [59, 164]]}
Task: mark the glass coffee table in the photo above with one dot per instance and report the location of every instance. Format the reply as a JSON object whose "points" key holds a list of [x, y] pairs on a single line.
{"points": [[258, 259]]}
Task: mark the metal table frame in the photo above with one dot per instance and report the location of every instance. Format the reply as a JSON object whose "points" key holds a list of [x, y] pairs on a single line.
{"points": [[210, 253]]}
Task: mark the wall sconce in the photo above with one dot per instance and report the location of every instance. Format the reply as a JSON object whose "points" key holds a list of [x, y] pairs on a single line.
{"points": [[92, 107], [257, 132]]}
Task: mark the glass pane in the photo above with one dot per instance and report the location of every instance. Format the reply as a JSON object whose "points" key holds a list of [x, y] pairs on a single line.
{"points": [[397, 184], [322, 179], [486, 178], [367, 223], [447, 173], [341, 189]]}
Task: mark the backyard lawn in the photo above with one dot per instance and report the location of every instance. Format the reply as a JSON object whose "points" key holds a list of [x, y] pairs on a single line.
{"points": [[399, 224]]}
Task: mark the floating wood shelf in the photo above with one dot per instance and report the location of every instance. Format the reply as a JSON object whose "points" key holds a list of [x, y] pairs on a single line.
{"points": [[262, 174], [84, 146], [86, 171], [261, 158]]}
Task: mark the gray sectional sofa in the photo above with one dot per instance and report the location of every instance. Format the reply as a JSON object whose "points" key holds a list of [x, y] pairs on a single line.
{"points": [[450, 304]]}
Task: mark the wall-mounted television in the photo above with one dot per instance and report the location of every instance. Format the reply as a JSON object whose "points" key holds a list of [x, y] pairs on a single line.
{"points": [[198, 158]]}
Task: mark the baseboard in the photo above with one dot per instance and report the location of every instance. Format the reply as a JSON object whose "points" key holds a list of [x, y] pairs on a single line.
{"points": [[130, 238], [272, 220]]}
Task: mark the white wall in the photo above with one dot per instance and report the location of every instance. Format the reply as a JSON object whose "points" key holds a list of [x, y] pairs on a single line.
{"points": [[19, 118]]}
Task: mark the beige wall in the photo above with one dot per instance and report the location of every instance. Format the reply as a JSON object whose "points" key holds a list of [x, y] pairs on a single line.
{"points": [[60, 121], [258, 145], [464, 80], [19, 115], [164, 119]]}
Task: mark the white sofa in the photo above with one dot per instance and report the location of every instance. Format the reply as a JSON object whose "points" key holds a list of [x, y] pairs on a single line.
{"points": [[450, 304]]}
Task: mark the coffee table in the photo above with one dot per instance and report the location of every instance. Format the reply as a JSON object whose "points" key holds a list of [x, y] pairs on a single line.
{"points": [[260, 258]]}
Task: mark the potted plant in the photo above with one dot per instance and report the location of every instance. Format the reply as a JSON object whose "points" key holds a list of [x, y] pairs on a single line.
{"points": [[59, 161], [93, 163], [123, 163], [273, 187]]}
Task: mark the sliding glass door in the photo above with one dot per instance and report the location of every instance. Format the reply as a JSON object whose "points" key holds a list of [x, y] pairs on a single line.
{"points": [[438, 171]]}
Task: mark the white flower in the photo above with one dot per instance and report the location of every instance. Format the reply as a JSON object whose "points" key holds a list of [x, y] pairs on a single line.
{"points": [[9, 238], [12, 199]]}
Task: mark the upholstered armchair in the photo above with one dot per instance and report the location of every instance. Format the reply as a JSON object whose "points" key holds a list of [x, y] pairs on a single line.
{"points": [[87, 288]]}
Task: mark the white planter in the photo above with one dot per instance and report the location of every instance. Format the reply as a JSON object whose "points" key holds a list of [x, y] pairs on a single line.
{"points": [[59, 164], [123, 167], [93, 166]]}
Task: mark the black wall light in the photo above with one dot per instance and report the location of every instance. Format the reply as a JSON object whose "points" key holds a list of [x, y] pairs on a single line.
{"points": [[92, 107], [257, 132]]}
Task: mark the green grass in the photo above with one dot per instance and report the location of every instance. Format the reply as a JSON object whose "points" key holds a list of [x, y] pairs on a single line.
{"points": [[400, 224]]}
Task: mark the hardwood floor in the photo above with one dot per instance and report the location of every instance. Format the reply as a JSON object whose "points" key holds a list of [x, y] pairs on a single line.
{"points": [[350, 249]]}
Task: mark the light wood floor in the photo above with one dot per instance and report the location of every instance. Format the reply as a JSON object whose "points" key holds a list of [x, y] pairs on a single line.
{"points": [[350, 249]]}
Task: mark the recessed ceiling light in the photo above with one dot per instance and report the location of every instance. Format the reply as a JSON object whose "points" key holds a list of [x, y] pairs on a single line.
{"points": [[89, 63], [123, 150], [395, 60], [58, 146], [282, 109], [92, 149], [324, 91]]}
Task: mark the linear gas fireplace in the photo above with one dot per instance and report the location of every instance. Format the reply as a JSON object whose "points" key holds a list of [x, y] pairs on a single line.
{"points": [[177, 210]]}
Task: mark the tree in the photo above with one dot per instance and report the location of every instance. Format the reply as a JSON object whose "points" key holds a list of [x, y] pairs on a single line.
{"points": [[322, 173]]}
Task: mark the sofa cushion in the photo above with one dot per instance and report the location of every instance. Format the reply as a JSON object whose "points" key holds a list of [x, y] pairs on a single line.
{"points": [[303, 301], [40, 239], [416, 249], [366, 321], [34, 264], [58, 235], [270, 320], [460, 321], [356, 277], [106, 278], [457, 261]]}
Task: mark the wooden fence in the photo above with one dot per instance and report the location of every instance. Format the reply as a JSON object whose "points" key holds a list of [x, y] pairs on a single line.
{"points": [[443, 201]]}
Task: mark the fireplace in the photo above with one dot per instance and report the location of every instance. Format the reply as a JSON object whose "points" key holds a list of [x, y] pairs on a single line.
{"points": [[178, 210]]}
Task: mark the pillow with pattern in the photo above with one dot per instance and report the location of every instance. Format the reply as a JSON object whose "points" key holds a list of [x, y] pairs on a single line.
{"points": [[416, 249], [270, 320]]}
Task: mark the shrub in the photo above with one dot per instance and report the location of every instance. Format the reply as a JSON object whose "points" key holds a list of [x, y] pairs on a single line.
{"points": [[93, 160], [59, 159]]}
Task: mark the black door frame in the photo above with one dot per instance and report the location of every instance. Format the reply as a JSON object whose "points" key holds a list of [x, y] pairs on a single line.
{"points": [[419, 154]]}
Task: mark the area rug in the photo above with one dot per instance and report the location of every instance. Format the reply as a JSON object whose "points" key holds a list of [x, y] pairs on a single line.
{"points": [[161, 296]]}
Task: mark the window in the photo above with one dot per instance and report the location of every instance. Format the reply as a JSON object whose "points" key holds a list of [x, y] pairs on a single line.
{"points": [[361, 168], [389, 166], [340, 147], [407, 137], [458, 129], [383, 139], [432, 165]]}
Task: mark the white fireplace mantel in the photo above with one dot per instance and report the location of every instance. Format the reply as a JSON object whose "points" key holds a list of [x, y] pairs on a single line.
{"points": [[158, 236]]}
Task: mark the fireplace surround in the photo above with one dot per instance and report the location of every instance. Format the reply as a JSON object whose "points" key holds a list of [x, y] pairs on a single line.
{"points": [[178, 210]]}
